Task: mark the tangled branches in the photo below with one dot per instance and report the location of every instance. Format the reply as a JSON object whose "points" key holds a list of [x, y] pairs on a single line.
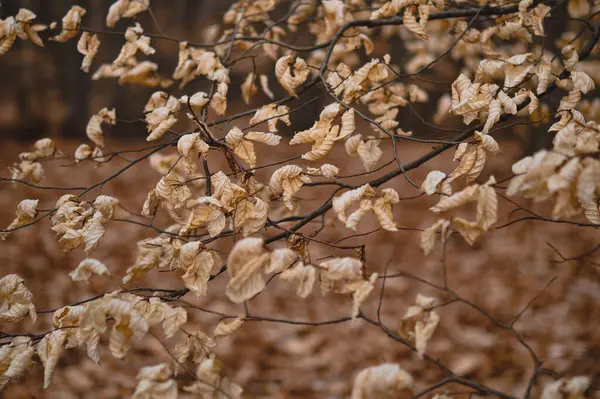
{"points": [[234, 207]]}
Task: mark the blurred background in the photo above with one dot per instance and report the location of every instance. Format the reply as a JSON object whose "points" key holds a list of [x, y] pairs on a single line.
{"points": [[45, 93]]}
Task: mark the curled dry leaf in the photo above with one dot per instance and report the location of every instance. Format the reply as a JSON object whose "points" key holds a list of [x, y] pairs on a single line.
{"points": [[494, 112], [70, 24], [582, 82], [419, 322], [8, 34], [94, 128], [227, 327], [329, 171], [347, 276], [342, 203], [155, 382], [272, 113], [244, 149], [487, 143], [281, 259], [210, 383], [29, 166], [383, 209], [326, 170], [15, 300], [86, 268], [24, 28], [198, 101], [487, 206], [128, 323], [152, 253], [49, 350], [291, 72], [84, 151], [573, 388], [197, 262], [355, 217], [88, 45], [304, 276], [26, 213], [125, 9], [44, 148], [472, 161], [93, 231], [160, 116], [109, 207], [348, 125], [368, 151], [264, 85], [249, 88], [386, 381], [360, 291], [191, 146], [429, 235], [195, 344], [15, 359], [246, 263], [134, 40], [322, 134], [250, 215], [432, 181], [205, 212], [570, 57], [174, 318], [360, 80], [242, 145], [340, 270], [287, 180], [410, 20]]}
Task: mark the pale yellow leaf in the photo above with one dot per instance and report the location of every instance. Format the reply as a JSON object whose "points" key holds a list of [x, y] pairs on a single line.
{"points": [[264, 85], [460, 198], [281, 259], [348, 125], [87, 267], [582, 81], [410, 22], [428, 236], [246, 264], [88, 45], [125, 9], [303, 275], [291, 72], [174, 319], [433, 179], [227, 327], [343, 202], [487, 207], [70, 24], [49, 350], [385, 381]]}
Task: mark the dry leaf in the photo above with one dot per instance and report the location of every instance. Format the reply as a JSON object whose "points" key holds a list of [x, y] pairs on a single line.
{"points": [[88, 46], [70, 24], [227, 327], [302, 275], [291, 72], [94, 128], [87, 267], [245, 265], [125, 9], [386, 381]]}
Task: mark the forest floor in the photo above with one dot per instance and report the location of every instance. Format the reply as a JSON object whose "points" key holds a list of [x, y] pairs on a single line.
{"points": [[501, 274]]}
